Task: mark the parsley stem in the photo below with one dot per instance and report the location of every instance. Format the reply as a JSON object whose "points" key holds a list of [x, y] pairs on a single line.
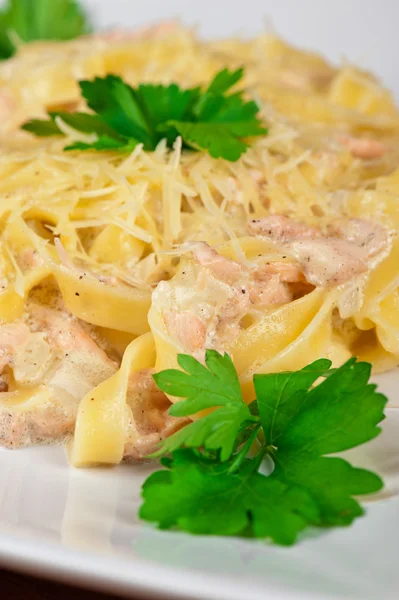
{"points": [[244, 450]]}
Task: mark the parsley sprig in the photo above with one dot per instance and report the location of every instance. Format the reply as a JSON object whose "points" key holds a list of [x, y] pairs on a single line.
{"points": [[213, 482], [33, 20], [212, 119]]}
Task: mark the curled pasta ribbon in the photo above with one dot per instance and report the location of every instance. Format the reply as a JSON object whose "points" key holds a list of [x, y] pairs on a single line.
{"points": [[379, 314], [103, 416], [18, 237], [112, 307], [25, 400], [115, 307], [294, 336], [284, 338]]}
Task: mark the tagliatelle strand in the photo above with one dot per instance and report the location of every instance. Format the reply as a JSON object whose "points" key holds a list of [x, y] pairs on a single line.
{"points": [[103, 417]]}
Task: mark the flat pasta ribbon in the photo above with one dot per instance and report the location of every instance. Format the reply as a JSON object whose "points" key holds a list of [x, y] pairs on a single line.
{"points": [[103, 415]]}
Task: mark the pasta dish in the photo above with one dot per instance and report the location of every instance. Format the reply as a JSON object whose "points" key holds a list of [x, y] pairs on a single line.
{"points": [[114, 262]]}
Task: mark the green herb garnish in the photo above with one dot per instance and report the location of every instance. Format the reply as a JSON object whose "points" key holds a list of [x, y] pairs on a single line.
{"points": [[213, 482], [31, 20], [210, 119]]}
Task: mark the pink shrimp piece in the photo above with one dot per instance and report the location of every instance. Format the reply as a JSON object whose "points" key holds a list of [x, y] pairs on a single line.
{"points": [[149, 405], [64, 332], [270, 282], [323, 260], [222, 268], [270, 291], [142, 447], [149, 408], [373, 238], [287, 272], [67, 380], [365, 148], [187, 328], [236, 306], [328, 261], [281, 228], [147, 444]]}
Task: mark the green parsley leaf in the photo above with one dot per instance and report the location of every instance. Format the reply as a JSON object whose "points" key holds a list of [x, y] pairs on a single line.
{"points": [[42, 127], [203, 387], [217, 138], [280, 395], [207, 120], [340, 413], [232, 109], [166, 103], [216, 431], [331, 482], [224, 80], [84, 122], [215, 385], [119, 106], [212, 487], [40, 20], [104, 142], [329, 419], [213, 99], [200, 496]]}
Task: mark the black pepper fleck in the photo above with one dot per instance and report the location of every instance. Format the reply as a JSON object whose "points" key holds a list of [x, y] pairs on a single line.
{"points": [[77, 294]]}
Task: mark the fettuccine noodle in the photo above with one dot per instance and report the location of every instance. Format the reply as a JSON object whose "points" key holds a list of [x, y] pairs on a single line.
{"points": [[112, 264]]}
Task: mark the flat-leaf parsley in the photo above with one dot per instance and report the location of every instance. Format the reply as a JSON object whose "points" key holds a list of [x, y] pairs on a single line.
{"points": [[210, 119], [213, 482]]}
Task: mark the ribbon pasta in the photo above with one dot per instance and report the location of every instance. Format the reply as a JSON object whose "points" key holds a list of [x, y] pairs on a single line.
{"points": [[112, 264], [103, 420]]}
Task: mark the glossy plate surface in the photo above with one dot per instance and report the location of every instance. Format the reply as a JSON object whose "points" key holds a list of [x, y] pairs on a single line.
{"points": [[81, 526]]}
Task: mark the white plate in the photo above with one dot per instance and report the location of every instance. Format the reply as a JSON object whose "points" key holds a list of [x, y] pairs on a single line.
{"points": [[81, 526]]}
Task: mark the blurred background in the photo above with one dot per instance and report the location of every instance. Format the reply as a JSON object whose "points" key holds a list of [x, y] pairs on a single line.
{"points": [[362, 31]]}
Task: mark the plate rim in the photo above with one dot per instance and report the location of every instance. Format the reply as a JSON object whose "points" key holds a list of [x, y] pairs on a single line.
{"points": [[119, 575]]}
